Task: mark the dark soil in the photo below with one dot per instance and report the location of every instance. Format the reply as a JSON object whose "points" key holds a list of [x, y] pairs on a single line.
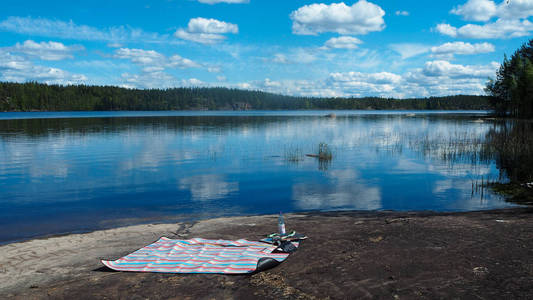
{"points": [[349, 255]]}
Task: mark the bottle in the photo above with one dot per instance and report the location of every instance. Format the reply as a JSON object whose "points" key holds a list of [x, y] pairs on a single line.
{"points": [[281, 224]]}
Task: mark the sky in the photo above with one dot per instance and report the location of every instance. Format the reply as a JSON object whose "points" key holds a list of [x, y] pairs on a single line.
{"points": [[359, 48]]}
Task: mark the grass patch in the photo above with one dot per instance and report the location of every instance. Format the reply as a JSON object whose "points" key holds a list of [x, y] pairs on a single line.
{"points": [[514, 192], [293, 154]]}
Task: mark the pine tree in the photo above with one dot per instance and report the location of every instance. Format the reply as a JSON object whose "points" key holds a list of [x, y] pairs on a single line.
{"points": [[512, 89]]}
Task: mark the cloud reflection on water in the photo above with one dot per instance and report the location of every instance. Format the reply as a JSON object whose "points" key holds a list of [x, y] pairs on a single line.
{"points": [[342, 189], [208, 187]]}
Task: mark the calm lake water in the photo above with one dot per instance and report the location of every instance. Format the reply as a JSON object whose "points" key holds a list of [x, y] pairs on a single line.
{"points": [[74, 172]]}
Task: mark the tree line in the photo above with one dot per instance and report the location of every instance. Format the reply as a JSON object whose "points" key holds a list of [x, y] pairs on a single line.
{"points": [[33, 96], [512, 90]]}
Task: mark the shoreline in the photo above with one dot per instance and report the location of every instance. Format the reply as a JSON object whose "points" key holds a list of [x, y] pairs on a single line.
{"points": [[348, 254], [185, 220]]}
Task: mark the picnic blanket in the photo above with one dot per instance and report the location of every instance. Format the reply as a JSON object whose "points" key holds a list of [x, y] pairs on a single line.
{"points": [[200, 256]]}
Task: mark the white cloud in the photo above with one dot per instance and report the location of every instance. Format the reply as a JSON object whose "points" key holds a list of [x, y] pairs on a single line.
{"points": [[153, 61], [440, 68], [408, 50], [153, 79], [202, 38], [202, 25], [360, 18], [157, 80], [206, 31], [484, 10], [309, 88], [476, 10], [500, 29], [402, 13], [223, 1], [193, 82], [374, 78], [45, 50], [512, 19], [70, 30], [436, 78], [361, 84], [343, 42], [446, 29], [153, 65], [462, 48], [19, 69], [515, 9]]}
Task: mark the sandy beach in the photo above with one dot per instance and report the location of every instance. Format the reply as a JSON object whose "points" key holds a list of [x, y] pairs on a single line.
{"points": [[486, 254]]}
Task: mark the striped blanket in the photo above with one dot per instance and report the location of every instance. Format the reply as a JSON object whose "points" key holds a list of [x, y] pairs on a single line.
{"points": [[198, 256]]}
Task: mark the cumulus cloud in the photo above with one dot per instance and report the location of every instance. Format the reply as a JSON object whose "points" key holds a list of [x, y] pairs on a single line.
{"points": [[45, 50], [436, 78], [446, 29], [343, 42], [153, 65], [360, 84], [311, 88], [360, 18], [70, 30], [157, 80], [439, 68], [484, 10], [206, 31], [462, 48], [512, 19], [499, 29], [151, 60], [476, 10], [374, 78], [223, 1], [20, 69], [515, 9]]}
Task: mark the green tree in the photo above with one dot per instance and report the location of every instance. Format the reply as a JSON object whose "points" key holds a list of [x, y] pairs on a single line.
{"points": [[511, 91]]}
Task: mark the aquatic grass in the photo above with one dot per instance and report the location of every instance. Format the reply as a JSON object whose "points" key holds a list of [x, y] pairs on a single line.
{"points": [[324, 153], [293, 154], [507, 144]]}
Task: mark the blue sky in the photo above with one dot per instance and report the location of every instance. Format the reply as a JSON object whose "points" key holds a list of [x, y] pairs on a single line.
{"points": [[312, 48]]}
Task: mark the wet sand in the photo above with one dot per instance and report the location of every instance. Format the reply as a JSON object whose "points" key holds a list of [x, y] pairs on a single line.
{"points": [[487, 254]]}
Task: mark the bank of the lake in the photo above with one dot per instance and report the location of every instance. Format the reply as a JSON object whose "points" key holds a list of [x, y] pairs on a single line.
{"points": [[480, 254]]}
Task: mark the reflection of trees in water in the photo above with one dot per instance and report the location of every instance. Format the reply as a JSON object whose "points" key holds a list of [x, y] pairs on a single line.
{"points": [[51, 127], [507, 143], [510, 144]]}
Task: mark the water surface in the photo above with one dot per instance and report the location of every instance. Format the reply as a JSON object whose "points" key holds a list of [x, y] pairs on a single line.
{"points": [[73, 172]]}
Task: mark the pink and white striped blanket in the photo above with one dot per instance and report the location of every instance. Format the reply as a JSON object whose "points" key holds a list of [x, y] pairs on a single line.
{"points": [[197, 256]]}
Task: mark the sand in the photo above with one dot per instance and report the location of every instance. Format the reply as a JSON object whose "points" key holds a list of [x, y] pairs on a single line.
{"points": [[348, 255]]}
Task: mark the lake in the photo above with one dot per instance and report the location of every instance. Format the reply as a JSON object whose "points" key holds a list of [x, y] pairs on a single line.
{"points": [[67, 172]]}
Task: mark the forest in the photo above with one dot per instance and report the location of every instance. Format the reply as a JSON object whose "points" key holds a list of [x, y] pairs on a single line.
{"points": [[512, 90], [33, 96]]}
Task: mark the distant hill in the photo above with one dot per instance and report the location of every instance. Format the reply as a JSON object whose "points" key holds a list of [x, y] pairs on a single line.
{"points": [[34, 96]]}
